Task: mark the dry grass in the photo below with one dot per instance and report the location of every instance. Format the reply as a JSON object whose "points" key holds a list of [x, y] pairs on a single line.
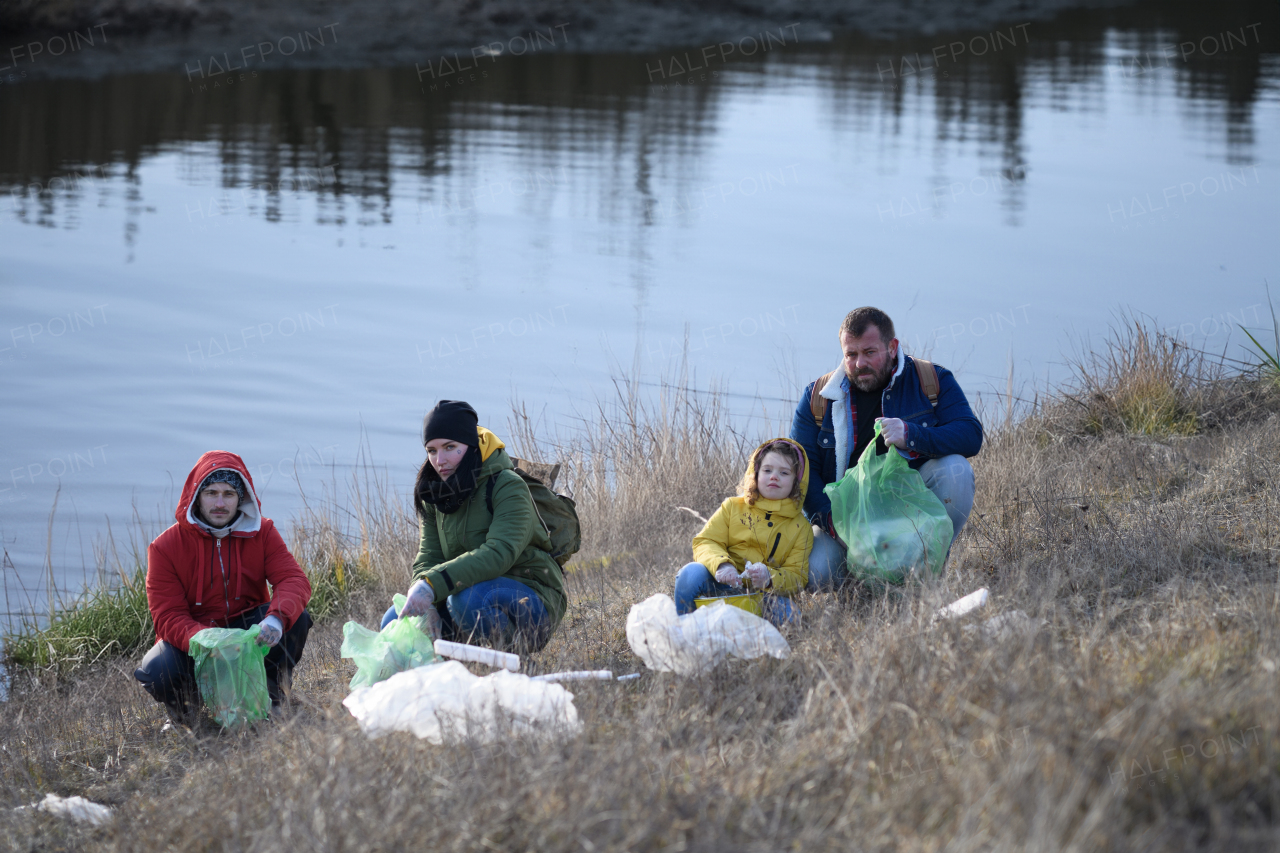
{"points": [[1140, 716]]}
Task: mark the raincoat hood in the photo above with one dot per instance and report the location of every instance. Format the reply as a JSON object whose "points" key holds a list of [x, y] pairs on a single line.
{"points": [[247, 523], [200, 577], [787, 507], [488, 443]]}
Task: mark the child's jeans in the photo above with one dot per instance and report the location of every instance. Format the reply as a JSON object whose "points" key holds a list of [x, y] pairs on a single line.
{"points": [[694, 581]]}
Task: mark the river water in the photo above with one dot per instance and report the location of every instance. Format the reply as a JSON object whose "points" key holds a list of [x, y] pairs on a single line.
{"points": [[295, 265]]}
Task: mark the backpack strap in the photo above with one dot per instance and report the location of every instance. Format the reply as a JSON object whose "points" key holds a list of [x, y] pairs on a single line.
{"points": [[928, 379], [488, 494], [819, 404]]}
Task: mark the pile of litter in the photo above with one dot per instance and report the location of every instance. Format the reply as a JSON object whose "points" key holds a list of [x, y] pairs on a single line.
{"points": [[77, 809], [1001, 628], [698, 641], [446, 701]]}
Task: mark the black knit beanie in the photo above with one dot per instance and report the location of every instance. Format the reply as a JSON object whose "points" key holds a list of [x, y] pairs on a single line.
{"points": [[454, 420]]}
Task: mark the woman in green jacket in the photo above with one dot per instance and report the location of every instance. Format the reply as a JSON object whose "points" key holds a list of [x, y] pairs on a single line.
{"points": [[484, 564]]}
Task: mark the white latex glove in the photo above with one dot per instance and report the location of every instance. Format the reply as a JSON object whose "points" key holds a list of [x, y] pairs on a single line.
{"points": [[270, 631], [420, 599], [759, 574], [727, 574]]}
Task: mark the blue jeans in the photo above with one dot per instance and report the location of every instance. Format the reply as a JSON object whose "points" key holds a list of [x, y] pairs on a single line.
{"points": [[694, 581], [950, 478], [503, 610]]}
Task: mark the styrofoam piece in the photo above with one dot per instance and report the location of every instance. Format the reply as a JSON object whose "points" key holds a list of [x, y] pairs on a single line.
{"points": [[961, 606], [577, 675], [476, 654], [446, 701]]}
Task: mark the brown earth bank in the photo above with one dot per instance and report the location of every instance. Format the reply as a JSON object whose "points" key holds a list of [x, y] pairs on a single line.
{"points": [[1131, 520], [95, 37]]}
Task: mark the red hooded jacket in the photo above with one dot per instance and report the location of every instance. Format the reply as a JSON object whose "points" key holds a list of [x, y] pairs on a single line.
{"points": [[196, 580]]}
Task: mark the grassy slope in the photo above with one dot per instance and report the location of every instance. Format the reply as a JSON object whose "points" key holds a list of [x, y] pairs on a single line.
{"points": [[1150, 559]]}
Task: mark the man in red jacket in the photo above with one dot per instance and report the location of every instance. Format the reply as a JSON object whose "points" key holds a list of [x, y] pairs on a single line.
{"points": [[211, 569]]}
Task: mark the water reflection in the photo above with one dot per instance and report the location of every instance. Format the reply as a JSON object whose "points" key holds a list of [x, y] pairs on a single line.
{"points": [[613, 120]]}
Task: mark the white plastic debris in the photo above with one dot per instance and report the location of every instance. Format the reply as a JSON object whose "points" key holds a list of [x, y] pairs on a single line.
{"points": [[629, 677], [697, 641], [961, 606], [476, 654], [73, 808], [577, 675], [1007, 626], [445, 700]]}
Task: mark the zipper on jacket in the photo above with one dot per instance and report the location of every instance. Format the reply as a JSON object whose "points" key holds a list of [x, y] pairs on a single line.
{"points": [[226, 591], [774, 549]]}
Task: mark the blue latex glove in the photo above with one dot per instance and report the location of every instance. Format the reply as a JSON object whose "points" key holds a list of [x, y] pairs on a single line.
{"points": [[270, 631], [421, 598]]}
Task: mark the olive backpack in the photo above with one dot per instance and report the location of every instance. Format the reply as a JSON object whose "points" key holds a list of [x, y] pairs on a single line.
{"points": [[558, 513]]}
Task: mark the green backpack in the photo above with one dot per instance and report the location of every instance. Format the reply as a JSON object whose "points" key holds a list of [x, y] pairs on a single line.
{"points": [[558, 513]]}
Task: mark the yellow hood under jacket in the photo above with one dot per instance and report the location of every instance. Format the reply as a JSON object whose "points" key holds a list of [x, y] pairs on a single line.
{"points": [[773, 532]]}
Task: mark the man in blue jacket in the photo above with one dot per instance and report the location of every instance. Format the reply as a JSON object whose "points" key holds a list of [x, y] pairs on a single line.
{"points": [[877, 381]]}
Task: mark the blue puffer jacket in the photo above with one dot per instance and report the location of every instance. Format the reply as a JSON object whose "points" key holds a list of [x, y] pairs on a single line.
{"points": [[948, 428]]}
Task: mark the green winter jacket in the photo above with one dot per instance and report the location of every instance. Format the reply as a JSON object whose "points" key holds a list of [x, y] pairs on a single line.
{"points": [[463, 548]]}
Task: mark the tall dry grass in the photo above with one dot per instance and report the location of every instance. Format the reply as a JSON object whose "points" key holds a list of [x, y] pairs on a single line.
{"points": [[1138, 715]]}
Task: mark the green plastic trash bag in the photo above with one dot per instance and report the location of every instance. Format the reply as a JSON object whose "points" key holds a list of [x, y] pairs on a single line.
{"points": [[378, 655], [893, 526], [231, 674]]}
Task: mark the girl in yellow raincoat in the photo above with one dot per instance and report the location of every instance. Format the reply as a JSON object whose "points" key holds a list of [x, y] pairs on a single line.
{"points": [[761, 535]]}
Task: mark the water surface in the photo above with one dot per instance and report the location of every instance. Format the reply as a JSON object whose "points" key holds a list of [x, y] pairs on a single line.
{"points": [[299, 264]]}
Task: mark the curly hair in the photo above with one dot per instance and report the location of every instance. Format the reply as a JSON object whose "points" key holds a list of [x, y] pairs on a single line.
{"points": [[750, 487]]}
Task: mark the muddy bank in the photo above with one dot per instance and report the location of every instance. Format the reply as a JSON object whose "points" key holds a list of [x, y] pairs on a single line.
{"points": [[55, 38]]}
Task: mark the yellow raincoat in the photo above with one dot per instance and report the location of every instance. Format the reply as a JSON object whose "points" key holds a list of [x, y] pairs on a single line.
{"points": [[773, 532]]}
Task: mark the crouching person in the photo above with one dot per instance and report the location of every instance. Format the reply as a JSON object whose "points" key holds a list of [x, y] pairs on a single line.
{"points": [[484, 566], [761, 535], [211, 569]]}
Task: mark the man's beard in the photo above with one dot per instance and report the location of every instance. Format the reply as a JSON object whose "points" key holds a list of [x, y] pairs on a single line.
{"points": [[875, 381]]}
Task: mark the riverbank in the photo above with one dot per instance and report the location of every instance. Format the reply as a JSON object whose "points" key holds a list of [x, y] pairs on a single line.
{"points": [[1133, 515], [87, 38]]}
